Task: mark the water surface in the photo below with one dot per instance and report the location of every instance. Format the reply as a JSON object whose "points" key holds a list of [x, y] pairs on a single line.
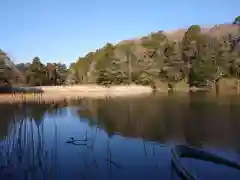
{"points": [[121, 138]]}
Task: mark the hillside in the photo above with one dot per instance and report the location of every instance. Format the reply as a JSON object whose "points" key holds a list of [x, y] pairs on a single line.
{"points": [[195, 56]]}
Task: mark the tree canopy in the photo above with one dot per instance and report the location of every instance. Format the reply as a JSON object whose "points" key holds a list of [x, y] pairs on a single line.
{"points": [[198, 58]]}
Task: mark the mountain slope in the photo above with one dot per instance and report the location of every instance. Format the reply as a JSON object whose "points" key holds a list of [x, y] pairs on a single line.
{"points": [[195, 56]]}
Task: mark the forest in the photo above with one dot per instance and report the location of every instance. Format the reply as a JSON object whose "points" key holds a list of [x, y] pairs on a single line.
{"points": [[197, 56], [193, 57], [32, 74]]}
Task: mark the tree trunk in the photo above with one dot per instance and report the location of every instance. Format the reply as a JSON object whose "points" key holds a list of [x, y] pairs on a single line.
{"points": [[238, 83], [217, 86], [129, 69]]}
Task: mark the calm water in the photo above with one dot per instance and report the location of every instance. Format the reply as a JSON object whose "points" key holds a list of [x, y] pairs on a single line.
{"points": [[118, 138]]}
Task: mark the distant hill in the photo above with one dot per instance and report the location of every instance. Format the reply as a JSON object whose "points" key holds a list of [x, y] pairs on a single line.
{"points": [[194, 56]]}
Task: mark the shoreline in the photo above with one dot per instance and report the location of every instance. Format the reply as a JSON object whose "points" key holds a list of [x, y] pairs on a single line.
{"points": [[75, 92], [52, 94], [57, 93]]}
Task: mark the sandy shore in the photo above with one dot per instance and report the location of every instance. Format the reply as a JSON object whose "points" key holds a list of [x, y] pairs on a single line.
{"points": [[58, 93], [55, 93]]}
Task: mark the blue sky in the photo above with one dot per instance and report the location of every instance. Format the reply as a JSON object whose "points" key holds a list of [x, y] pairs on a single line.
{"points": [[62, 30]]}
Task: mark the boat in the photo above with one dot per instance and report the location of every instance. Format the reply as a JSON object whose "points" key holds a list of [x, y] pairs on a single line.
{"points": [[182, 151]]}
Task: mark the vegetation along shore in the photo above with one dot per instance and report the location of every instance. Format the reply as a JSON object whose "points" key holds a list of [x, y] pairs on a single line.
{"points": [[182, 60]]}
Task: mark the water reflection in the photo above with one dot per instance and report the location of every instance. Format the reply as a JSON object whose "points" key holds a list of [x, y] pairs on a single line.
{"points": [[117, 138], [196, 120]]}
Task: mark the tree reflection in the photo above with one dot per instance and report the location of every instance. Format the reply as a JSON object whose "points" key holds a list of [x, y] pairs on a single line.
{"points": [[188, 119], [130, 117]]}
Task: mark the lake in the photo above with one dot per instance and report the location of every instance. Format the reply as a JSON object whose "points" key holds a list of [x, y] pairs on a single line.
{"points": [[120, 138]]}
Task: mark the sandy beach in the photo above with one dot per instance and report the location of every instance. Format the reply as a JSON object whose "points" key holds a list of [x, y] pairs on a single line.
{"points": [[55, 93], [58, 93]]}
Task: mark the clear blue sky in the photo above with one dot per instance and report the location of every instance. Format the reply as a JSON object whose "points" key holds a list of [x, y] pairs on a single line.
{"points": [[62, 30]]}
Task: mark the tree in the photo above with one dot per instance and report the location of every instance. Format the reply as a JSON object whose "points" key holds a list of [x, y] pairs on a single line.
{"points": [[8, 72], [52, 74], [192, 47], [128, 58], [36, 74], [237, 20], [103, 78], [173, 65]]}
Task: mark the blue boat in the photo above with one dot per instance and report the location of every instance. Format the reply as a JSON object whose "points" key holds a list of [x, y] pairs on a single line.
{"points": [[182, 151]]}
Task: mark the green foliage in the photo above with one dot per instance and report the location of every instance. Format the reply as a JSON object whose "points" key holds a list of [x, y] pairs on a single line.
{"points": [[104, 56], [154, 40], [237, 20], [190, 43], [9, 74], [199, 57], [104, 78], [39, 74]]}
